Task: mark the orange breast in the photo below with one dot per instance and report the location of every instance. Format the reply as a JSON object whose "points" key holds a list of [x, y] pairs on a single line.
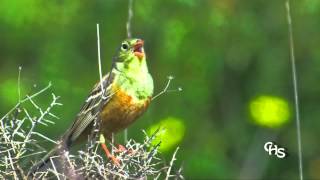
{"points": [[120, 112]]}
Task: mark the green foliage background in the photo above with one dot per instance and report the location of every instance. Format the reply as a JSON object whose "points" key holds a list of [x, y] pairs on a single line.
{"points": [[223, 53]]}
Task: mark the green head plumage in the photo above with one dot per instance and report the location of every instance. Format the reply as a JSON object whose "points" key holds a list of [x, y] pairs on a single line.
{"points": [[132, 48], [131, 55], [131, 66], [131, 51]]}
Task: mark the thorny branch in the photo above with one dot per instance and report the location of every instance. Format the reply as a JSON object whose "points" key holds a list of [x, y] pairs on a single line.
{"points": [[20, 148]]}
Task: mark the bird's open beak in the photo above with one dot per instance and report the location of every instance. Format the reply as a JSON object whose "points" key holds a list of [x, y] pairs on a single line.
{"points": [[138, 49]]}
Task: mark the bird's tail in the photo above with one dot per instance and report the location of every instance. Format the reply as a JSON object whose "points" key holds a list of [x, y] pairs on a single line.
{"points": [[53, 160]]}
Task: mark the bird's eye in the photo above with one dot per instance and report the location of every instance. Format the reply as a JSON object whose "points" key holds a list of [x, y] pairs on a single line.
{"points": [[124, 46]]}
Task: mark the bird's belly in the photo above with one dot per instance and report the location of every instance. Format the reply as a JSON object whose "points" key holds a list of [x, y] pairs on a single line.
{"points": [[120, 112]]}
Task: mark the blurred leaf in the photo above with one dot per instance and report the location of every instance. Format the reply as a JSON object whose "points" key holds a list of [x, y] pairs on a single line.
{"points": [[171, 133], [269, 111]]}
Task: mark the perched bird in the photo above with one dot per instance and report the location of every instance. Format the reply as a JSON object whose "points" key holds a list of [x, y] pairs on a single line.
{"points": [[126, 94]]}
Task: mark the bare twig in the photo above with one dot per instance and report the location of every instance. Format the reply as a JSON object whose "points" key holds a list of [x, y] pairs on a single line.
{"points": [[128, 27], [19, 89], [99, 62], [295, 87], [130, 15], [166, 88], [171, 163], [26, 99]]}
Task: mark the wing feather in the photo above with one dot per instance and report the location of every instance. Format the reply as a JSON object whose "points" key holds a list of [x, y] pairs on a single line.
{"points": [[91, 108]]}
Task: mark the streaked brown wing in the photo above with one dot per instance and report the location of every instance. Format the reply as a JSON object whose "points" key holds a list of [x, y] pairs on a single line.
{"points": [[90, 109]]}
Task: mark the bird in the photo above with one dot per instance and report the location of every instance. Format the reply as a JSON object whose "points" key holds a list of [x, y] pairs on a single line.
{"points": [[118, 99]]}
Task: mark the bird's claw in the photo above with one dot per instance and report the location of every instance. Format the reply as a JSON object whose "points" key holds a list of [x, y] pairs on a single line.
{"points": [[110, 156], [122, 149]]}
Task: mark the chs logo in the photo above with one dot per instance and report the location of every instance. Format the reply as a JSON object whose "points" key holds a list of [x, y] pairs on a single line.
{"points": [[274, 149]]}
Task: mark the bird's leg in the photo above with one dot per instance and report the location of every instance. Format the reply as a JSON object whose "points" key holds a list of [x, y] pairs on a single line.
{"points": [[106, 150]]}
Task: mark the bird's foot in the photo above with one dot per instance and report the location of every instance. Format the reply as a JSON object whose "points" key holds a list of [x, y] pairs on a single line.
{"points": [[122, 149], [109, 155]]}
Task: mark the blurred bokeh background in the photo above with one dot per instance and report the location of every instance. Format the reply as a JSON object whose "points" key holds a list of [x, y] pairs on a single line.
{"points": [[230, 57]]}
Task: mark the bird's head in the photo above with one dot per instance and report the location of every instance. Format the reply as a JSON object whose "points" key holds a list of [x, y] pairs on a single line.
{"points": [[132, 49], [131, 55]]}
